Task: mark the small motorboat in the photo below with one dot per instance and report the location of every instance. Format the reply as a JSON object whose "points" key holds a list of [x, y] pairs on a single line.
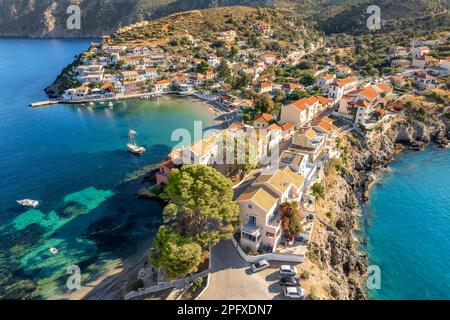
{"points": [[111, 105], [53, 250], [132, 146], [28, 203]]}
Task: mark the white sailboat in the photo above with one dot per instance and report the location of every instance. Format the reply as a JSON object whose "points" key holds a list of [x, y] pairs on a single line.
{"points": [[132, 146], [28, 203]]}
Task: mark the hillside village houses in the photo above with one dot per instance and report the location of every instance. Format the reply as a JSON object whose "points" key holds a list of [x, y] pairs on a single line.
{"points": [[341, 87], [359, 105], [307, 136]]}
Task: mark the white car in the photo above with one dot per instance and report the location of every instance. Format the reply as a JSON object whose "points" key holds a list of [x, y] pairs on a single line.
{"points": [[287, 270], [260, 266], [294, 293]]}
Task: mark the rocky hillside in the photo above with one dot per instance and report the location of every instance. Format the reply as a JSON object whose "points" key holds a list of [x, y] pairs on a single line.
{"points": [[350, 16], [46, 18]]}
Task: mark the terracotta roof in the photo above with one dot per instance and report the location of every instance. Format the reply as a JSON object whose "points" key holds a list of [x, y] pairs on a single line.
{"points": [[327, 119], [265, 117], [290, 86], [297, 179], [287, 126], [163, 81], [346, 81], [327, 126], [384, 87], [304, 103], [264, 84], [278, 180], [261, 196], [323, 100], [369, 93], [107, 85], [274, 127]]}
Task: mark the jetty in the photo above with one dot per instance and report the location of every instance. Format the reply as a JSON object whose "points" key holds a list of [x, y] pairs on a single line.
{"points": [[146, 95], [44, 103]]}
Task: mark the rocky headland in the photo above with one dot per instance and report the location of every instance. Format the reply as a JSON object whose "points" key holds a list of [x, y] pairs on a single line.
{"points": [[339, 267]]}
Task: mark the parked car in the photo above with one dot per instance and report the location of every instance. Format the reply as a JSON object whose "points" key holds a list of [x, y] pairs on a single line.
{"points": [[288, 271], [289, 282], [260, 266], [294, 293]]}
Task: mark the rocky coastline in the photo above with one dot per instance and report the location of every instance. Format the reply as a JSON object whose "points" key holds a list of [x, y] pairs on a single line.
{"points": [[340, 267]]}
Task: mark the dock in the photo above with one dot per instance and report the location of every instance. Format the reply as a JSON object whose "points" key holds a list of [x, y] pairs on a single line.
{"points": [[44, 103]]}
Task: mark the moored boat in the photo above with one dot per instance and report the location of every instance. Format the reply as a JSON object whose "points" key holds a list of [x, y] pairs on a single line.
{"points": [[132, 146], [28, 203]]}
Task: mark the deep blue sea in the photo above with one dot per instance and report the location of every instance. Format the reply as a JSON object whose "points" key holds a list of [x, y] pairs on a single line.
{"points": [[73, 160], [409, 227]]}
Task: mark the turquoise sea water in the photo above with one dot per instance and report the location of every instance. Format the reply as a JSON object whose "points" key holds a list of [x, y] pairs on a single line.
{"points": [[409, 227], [73, 160]]}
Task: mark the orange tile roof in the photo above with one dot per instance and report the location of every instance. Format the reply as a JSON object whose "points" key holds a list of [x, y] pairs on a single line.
{"points": [[323, 100], [369, 93], [383, 86], [346, 81], [274, 127], [327, 126], [290, 85], [265, 117], [163, 81], [286, 126], [327, 119]]}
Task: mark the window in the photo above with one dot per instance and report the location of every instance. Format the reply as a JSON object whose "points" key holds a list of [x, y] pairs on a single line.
{"points": [[250, 206], [252, 220]]}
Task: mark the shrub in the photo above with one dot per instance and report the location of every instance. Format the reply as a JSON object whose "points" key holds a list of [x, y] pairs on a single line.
{"points": [[318, 190], [330, 215], [305, 275]]}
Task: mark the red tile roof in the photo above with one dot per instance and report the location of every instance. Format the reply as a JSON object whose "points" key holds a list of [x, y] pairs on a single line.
{"points": [[265, 117]]}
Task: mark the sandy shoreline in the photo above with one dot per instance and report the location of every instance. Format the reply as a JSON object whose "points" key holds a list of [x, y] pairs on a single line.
{"points": [[111, 285]]}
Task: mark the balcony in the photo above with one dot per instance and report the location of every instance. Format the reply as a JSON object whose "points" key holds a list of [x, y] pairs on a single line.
{"points": [[274, 223], [251, 229]]}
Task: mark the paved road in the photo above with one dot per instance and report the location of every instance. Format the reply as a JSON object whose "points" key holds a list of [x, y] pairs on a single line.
{"points": [[232, 279]]}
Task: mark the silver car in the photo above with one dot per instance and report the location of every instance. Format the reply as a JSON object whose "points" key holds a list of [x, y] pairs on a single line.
{"points": [[260, 266], [287, 270], [294, 293]]}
